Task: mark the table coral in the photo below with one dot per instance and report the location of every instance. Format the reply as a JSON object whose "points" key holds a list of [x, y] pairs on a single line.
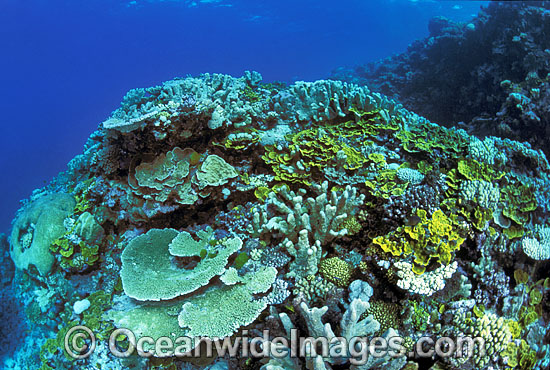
{"points": [[148, 273]]}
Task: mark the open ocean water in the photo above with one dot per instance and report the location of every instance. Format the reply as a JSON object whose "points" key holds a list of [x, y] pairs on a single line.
{"points": [[66, 64]]}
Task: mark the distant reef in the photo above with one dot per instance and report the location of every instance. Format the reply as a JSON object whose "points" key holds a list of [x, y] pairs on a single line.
{"points": [[491, 74], [232, 209]]}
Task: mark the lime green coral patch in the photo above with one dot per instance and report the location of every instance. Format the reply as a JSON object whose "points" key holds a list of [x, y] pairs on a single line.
{"points": [[474, 170], [519, 200], [336, 271], [240, 140], [312, 150], [432, 238], [308, 152], [420, 316], [425, 137], [386, 184]]}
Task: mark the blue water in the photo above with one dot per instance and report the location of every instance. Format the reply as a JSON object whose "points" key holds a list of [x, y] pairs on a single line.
{"points": [[65, 65]]}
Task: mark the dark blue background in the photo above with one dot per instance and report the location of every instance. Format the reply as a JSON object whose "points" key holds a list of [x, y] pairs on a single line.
{"points": [[65, 65]]}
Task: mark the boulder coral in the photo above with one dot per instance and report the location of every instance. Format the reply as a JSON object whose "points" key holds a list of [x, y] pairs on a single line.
{"points": [[35, 229]]}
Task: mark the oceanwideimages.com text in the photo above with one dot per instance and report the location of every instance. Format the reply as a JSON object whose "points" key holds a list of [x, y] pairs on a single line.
{"points": [[80, 343]]}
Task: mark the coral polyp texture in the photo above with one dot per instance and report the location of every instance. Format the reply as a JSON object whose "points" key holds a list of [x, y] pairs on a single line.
{"points": [[217, 207]]}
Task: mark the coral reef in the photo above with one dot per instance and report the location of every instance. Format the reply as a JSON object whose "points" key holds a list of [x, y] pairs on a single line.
{"points": [[229, 211], [491, 73]]}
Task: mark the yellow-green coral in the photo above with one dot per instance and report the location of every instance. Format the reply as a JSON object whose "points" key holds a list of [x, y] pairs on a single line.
{"points": [[425, 136], [336, 271], [516, 199], [492, 329], [420, 316], [386, 184], [351, 224], [240, 140], [432, 238], [262, 192], [474, 170], [523, 355], [80, 193], [74, 255], [367, 124], [519, 200], [386, 313], [309, 151], [312, 150]]}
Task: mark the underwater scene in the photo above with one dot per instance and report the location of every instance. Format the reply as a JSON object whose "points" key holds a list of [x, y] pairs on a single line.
{"points": [[226, 184]]}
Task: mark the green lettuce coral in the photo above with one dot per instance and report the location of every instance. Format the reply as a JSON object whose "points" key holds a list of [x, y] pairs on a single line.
{"points": [[432, 238]]}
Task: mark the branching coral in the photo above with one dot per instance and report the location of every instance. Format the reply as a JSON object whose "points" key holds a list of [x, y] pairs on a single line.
{"points": [[306, 224], [427, 283], [352, 325]]}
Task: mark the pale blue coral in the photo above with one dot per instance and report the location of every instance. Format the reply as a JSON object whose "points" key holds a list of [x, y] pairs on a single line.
{"points": [[480, 192], [414, 177]]}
